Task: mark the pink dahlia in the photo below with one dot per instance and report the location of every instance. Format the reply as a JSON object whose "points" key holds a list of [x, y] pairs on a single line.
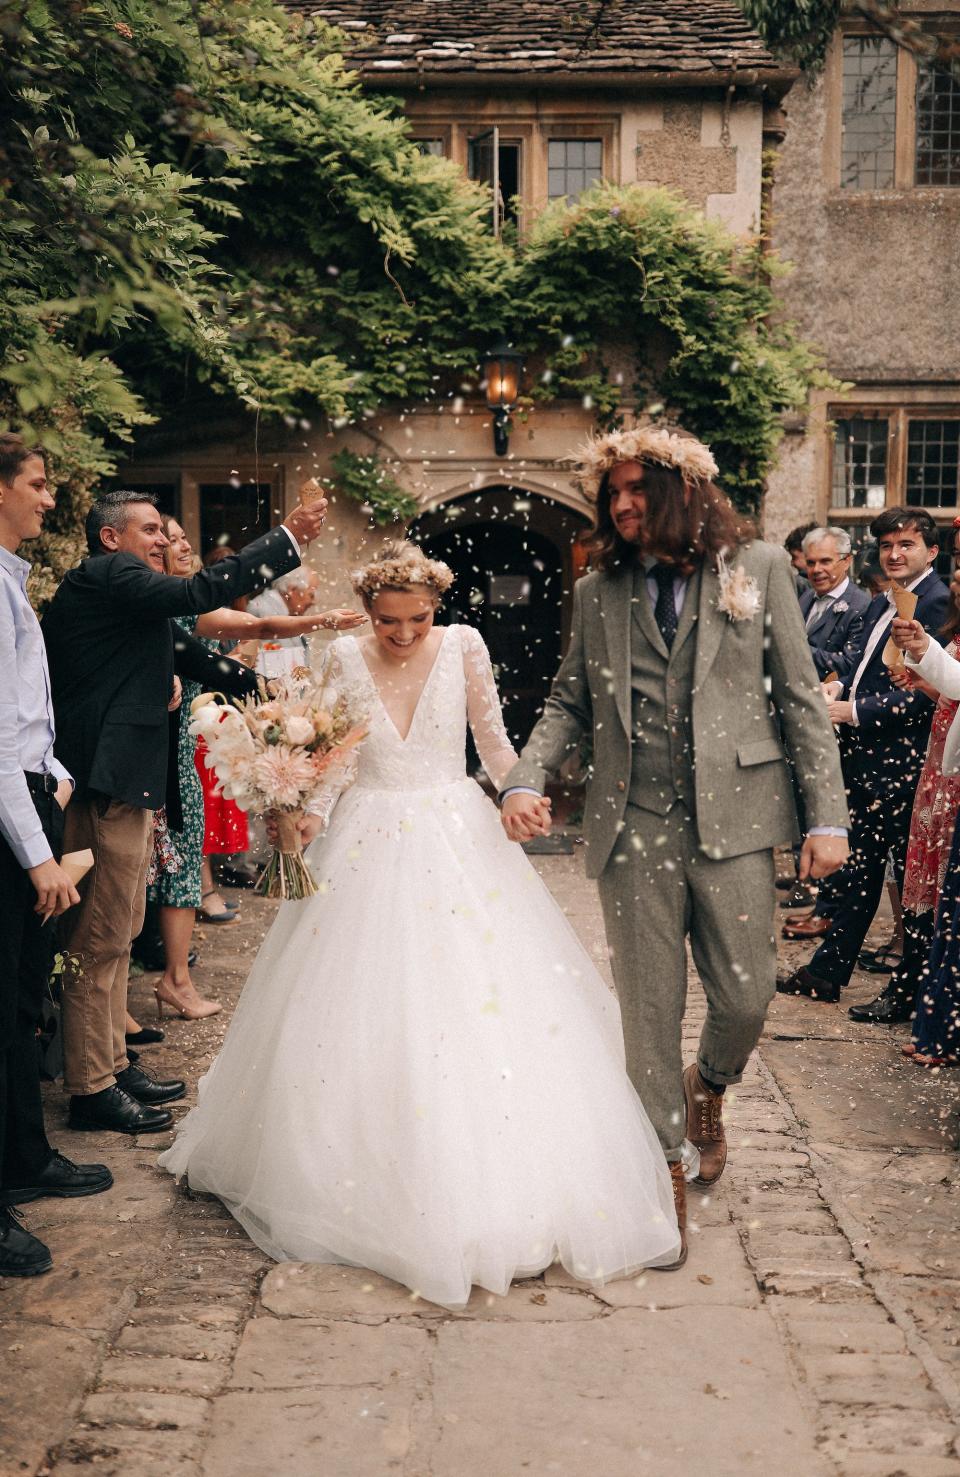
{"points": [[284, 776]]}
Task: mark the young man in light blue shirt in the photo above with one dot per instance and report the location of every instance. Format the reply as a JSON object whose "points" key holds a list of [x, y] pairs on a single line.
{"points": [[34, 789]]}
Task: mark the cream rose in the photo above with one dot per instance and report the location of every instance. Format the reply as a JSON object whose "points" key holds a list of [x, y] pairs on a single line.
{"points": [[299, 730]]}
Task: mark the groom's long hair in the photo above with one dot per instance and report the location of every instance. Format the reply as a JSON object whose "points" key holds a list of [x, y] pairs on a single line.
{"points": [[687, 523]]}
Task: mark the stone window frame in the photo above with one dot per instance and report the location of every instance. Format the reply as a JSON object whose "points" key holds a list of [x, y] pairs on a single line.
{"points": [[532, 133], [905, 138], [558, 130], [911, 406], [191, 475], [426, 135]]}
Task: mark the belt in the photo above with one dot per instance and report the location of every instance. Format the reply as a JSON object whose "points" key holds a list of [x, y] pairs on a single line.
{"points": [[41, 784]]}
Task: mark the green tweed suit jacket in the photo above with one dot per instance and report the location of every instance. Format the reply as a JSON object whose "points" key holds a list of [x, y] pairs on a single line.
{"points": [[755, 689]]}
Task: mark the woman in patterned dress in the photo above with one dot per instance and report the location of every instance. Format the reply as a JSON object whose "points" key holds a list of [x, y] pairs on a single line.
{"points": [[179, 891], [929, 861]]}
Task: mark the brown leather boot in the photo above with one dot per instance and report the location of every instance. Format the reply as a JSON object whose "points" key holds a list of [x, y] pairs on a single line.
{"points": [[680, 1205], [705, 1125]]}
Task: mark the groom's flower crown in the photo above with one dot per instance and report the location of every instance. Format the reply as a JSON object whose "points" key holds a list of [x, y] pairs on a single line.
{"points": [[597, 456]]}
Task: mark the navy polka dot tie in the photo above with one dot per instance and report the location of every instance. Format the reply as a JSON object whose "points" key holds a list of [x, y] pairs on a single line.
{"points": [[665, 610]]}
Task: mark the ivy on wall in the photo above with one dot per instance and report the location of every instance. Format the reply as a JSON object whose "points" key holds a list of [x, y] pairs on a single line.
{"points": [[631, 266], [365, 480], [203, 214]]}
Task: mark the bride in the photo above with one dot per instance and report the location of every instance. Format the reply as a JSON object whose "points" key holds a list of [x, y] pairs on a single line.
{"points": [[425, 1072]]}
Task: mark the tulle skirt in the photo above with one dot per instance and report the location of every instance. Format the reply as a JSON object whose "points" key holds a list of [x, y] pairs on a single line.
{"points": [[425, 1073]]}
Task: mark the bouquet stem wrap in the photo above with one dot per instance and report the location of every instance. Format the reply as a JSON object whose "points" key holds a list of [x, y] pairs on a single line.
{"points": [[286, 874]]}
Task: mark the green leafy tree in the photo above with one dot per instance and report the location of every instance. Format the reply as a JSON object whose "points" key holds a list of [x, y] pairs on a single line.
{"points": [[691, 311], [199, 200], [202, 212], [801, 29]]}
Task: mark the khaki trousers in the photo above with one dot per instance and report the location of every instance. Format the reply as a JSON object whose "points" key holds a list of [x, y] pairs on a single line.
{"points": [[98, 933], [657, 889]]}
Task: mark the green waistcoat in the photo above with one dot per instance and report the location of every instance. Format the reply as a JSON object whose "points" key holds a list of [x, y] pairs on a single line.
{"points": [[661, 694]]}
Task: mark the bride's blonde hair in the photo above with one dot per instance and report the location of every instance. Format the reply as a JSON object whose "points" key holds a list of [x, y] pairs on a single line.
{"points": [[401, 565]]}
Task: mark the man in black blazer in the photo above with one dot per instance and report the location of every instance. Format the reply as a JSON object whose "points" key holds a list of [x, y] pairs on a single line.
{"points": [[833, 608], [883, 733], [114, 655]]}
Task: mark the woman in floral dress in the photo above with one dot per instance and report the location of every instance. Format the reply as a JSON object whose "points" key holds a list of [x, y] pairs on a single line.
{"points": [[930, 868], [179, 891]]}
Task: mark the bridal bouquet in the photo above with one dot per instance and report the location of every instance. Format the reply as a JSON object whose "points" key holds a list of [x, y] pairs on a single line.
{"points": [[276, 757]]}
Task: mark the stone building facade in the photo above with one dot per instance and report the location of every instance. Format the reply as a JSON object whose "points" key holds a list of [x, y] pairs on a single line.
{"points": [[542, 100], [866, 205]]}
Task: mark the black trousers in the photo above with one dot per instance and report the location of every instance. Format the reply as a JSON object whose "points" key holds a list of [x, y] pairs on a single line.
{"points": [[880, 824], [26, 958]]}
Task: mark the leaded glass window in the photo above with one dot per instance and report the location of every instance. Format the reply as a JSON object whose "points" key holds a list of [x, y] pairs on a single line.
{"points": [[869, 112], [573, 164], [933, 463], [938, 127], [860, 463]]}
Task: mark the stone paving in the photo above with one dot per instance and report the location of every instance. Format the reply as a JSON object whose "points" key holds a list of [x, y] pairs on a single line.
{"points": [[814, 1330]]}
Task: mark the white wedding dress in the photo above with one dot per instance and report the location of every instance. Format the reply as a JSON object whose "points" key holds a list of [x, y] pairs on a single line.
{"points": [[425, 1072]]}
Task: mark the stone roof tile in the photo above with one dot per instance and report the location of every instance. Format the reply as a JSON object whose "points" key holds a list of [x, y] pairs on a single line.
{"points": [[563, 36]]}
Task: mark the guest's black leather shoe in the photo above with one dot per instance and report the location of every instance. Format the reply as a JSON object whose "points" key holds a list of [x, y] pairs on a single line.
{"points": [[118, 1112], [147, 1089], [146, 1036], [802, 982], [64, 1178], [888, 1009], [21, 1255]]}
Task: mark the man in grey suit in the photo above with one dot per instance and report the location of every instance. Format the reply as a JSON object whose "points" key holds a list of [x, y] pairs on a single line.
{"points": [[688, 659], [833, 608]]}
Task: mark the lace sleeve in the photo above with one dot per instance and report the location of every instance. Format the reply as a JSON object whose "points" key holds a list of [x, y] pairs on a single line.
{"points": [[340, 776], [483, 708]]}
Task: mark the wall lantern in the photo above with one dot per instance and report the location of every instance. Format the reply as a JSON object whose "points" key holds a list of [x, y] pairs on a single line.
{"points": [[503, 368]]}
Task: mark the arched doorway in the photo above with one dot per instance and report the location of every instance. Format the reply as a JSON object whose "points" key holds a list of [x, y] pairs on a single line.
{"points": [[512, 554]]}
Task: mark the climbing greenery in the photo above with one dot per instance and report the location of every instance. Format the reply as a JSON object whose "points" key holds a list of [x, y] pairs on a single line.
{"points": [[203, 215], [800, 29], [365, 480], [634, 293], [202, 212]]}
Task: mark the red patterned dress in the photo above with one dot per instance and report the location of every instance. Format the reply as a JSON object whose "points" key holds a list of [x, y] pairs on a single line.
{"points": [[934, 814], [224, 823]]}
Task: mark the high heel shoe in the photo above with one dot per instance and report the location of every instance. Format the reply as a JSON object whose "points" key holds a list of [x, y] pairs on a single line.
{"points": [[187, 1009]]}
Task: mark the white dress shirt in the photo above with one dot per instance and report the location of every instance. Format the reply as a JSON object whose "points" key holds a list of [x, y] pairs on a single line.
{"points": [[278, 656], [822, 603], [680, 582], [26, 715], [873, 641]]}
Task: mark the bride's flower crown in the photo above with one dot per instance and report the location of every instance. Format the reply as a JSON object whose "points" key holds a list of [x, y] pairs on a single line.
{"points": [[597, 456], [399, 565]]}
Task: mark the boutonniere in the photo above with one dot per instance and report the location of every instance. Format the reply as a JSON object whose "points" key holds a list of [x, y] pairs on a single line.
{"points": [[739, 592], [839, 606]]}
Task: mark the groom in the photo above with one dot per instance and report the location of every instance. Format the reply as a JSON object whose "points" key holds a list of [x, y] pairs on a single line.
{"points": [[689, 664]]}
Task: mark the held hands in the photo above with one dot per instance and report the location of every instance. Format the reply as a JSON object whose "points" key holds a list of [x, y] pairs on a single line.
{"points": [[524, 816], [177, 697], [910, 637], [821, 855], [55, 892], [840, 711]]}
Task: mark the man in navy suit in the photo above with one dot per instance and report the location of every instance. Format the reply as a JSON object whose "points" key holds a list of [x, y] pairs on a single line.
{"points": [[884, 733], [833, 608]]}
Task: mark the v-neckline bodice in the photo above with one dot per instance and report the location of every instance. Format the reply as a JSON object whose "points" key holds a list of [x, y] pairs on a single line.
{"points": [[402, 738]]}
